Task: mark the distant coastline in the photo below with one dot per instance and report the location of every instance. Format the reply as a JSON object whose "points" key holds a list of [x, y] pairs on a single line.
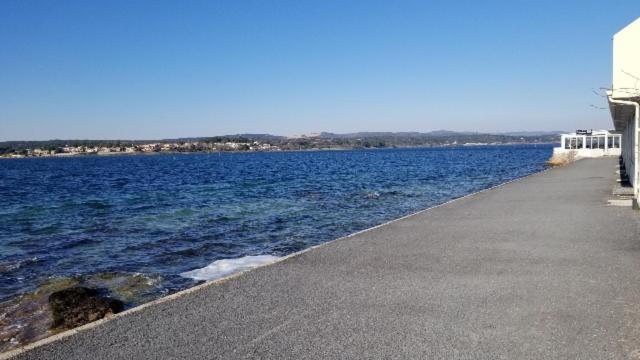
{"points": [[111, 154], [267, 143]]}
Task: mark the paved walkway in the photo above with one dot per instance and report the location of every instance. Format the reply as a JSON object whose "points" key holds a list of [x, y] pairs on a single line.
{"points": [[538, 268]]}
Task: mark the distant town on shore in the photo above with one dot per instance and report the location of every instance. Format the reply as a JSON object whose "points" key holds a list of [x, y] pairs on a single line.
{"points": [[266, 142]]}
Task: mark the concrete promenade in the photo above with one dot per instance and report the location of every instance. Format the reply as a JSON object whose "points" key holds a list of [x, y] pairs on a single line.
{"points": [[540, 268]]}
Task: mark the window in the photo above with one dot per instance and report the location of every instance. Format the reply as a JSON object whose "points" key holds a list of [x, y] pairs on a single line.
{"points": [[572, 143], [613, 141]]}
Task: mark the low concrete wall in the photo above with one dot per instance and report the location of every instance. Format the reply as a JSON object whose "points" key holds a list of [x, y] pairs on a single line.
{"points": [[587, 153]]}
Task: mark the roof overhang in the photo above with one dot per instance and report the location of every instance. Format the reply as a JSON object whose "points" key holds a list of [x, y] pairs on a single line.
{"points": [[622, 114]]}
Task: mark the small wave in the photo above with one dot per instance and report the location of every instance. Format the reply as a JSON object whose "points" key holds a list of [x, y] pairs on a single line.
{"points": [[78, 243], [372, 195], [225, 267], [9, 266], [97, 204]]}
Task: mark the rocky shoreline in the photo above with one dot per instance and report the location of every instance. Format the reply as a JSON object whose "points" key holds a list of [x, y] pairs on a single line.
{"points": [[60, 304]]}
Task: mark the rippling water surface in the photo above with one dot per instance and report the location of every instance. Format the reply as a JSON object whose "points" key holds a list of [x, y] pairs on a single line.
{"points": [[163, 215]]}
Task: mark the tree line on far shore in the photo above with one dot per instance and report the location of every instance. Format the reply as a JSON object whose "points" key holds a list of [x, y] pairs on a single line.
{"points": [[319, 141]]}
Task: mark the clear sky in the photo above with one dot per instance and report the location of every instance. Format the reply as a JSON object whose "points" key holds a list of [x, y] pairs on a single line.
{"points": [[159, 69]]}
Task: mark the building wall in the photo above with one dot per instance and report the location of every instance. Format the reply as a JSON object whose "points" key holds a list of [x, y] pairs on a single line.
{"points": [[628, 152], [626, 60], [626, 86]]}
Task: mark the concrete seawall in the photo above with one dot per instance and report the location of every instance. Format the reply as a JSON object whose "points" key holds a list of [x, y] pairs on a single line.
{"points": [[537, 268]]}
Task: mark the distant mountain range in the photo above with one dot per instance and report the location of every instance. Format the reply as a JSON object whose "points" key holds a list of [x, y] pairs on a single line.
{"points": [[533, 133], [436, 133], [325, 135]]}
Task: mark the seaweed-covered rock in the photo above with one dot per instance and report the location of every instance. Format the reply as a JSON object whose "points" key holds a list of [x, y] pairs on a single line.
{"points": [[78, 305]]}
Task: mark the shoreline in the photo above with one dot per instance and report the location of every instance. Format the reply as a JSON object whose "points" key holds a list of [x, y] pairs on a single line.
{"points": [[69, 155], [206, 284]]}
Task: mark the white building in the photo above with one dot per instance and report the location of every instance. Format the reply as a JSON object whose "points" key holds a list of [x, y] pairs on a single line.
{"points": [[624, 96], [586, 144]]}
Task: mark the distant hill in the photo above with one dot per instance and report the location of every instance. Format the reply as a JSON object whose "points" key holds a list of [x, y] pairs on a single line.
{"points": [[436, 133], [263, 137], [370, 134], [324, 140], [534, 133]]}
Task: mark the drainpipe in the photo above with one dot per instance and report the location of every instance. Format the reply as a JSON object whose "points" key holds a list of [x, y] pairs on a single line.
{"points": [[635, 144]]}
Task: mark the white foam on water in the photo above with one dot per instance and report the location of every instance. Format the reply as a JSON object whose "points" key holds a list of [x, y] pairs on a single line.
{"points": [[225, 267]]}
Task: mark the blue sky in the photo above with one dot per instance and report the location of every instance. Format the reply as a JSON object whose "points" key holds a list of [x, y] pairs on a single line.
{"points": [[158, 69]]}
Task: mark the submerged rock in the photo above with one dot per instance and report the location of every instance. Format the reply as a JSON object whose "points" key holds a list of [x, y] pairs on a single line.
{"points": [[132, 289], [78, 305], [28, 317]]}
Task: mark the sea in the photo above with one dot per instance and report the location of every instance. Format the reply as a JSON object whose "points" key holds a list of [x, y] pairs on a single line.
{"points": [[144, 226]]}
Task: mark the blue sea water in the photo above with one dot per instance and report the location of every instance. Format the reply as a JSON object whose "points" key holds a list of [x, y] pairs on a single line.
{"points": [[163, 215]]}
